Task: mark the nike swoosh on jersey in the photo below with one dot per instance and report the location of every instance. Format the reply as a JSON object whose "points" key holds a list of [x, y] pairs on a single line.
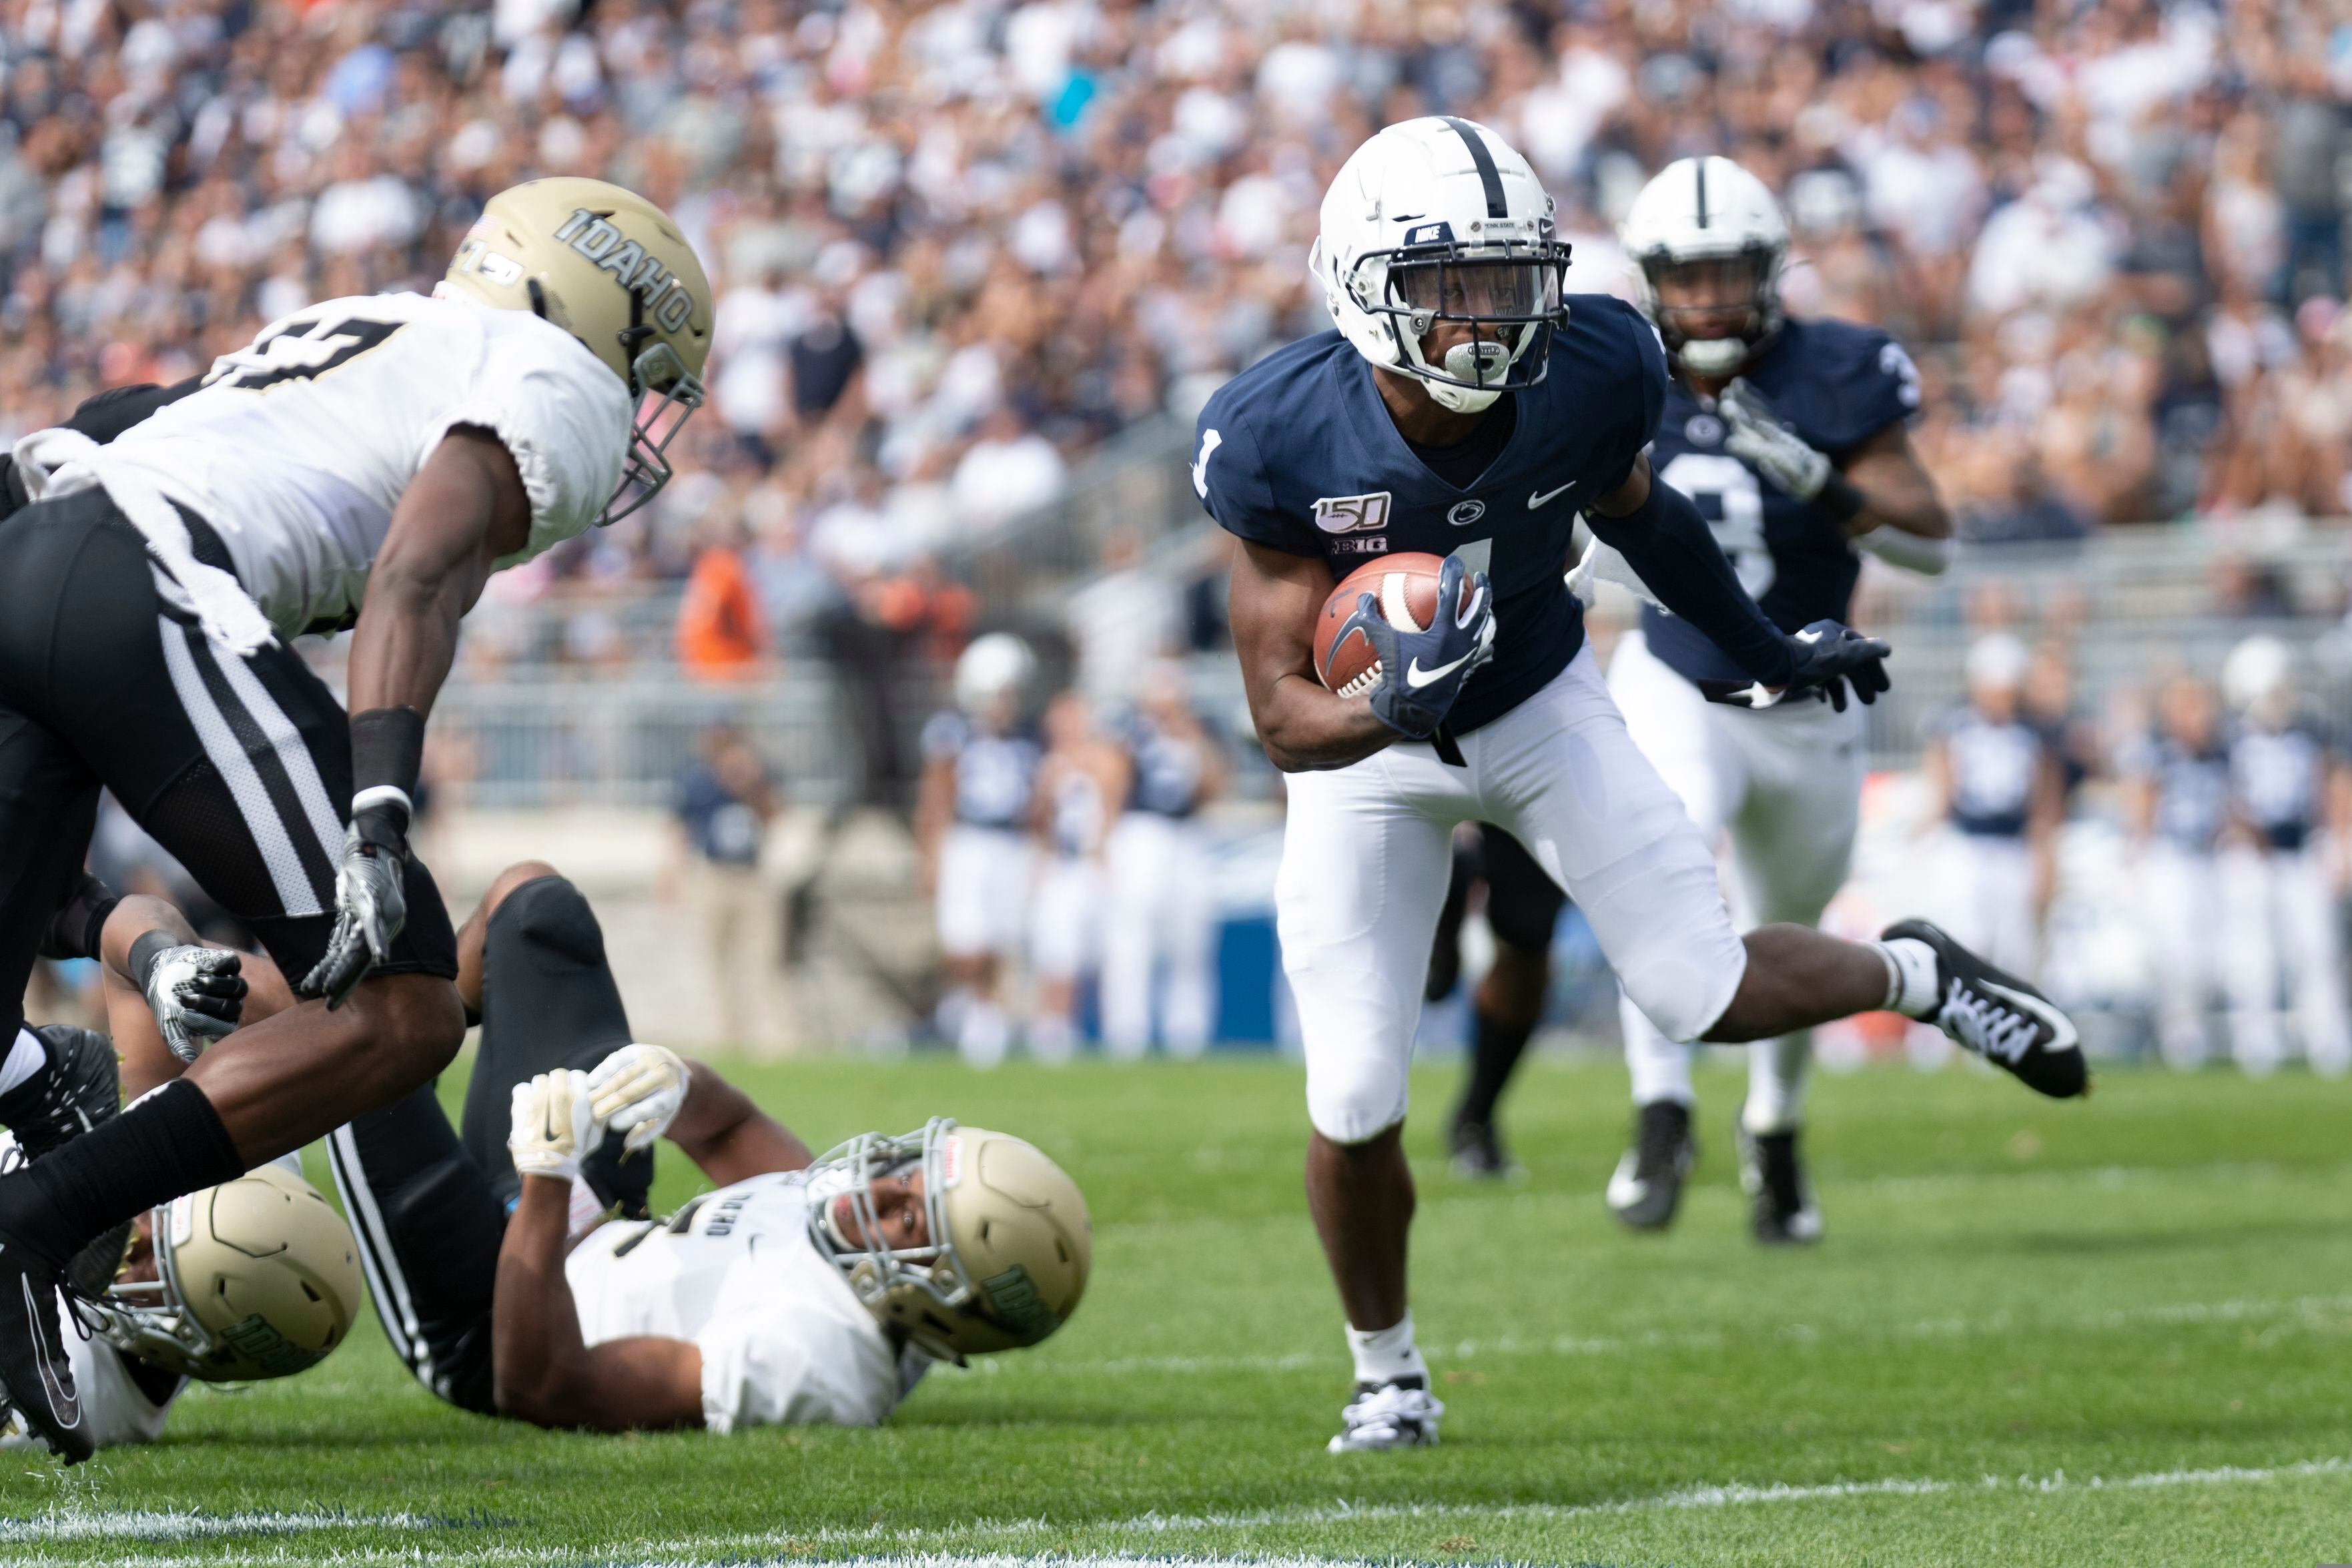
{"points": [[1539, 498], [1417, 677]]}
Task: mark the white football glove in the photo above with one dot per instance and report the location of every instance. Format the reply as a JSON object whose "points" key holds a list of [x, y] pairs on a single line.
{"points": [[553, 1124], [637, 1091], [1778, 452]]}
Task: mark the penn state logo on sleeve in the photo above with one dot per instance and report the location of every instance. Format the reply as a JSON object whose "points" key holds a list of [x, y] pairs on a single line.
{"points": [[1355, 522]]}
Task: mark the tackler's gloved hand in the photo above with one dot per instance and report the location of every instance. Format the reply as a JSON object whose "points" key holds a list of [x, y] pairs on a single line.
{"points": [[1828, 657], [1421, 672], [369, 904]]}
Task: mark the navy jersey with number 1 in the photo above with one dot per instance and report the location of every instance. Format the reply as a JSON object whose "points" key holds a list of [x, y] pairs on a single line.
{"points": [[1299, 454], [1836, 384]]}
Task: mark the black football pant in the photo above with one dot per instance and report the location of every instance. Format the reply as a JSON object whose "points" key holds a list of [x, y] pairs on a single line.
{"points": [[240, 767], [429, 1203]]}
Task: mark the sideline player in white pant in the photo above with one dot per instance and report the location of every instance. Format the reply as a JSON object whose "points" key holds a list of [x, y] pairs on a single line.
{"points": [[971, 838], [1999, 792], [2282, 883], [1462, 400], [1161, 926], [1080, 786], [2177, 808], [1790, 436]]}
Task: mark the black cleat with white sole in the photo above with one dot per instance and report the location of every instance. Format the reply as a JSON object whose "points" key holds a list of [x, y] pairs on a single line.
{"points": [[1647, 1186], [1781, 1200], [2000, 1017], [37, 1379]]}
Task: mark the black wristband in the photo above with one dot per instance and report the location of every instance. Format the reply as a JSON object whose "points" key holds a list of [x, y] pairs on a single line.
{"points": [[151, 946], [74, 931], [387, 750], [1841, 500]]}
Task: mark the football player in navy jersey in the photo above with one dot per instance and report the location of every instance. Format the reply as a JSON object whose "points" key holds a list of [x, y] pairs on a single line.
{"points": [[1464, 407], [1159, 931], [1790, 436], [2282, 878], [971, 833], [2176, 809]]}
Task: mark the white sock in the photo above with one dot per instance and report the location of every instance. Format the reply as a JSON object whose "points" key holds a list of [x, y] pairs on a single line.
{"points": [[25, 1058], [1384, 1356], [1910, 976], [1660, 1067], [986, 1035], [1775, 1084]]}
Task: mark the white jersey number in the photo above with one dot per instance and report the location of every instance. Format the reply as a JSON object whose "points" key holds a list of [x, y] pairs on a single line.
{"points": [[1729, 499], [299, 350]]}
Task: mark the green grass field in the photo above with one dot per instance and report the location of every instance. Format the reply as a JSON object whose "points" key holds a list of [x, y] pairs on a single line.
{"points": [[2118, 1333]]}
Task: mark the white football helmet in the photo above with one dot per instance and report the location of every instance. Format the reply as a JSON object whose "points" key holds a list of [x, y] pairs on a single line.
{"points": [[1440, 219], [611, 269], [1708, 212], [258, 1278], [2258, 678], [994, 670], [1009, 1246]]}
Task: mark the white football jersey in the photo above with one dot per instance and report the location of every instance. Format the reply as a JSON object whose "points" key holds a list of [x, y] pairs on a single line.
{"points": [[298, 447], [783, 1338]]}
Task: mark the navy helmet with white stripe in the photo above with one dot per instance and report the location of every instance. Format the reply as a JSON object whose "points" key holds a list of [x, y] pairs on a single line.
{"points": [[1441, 219]]}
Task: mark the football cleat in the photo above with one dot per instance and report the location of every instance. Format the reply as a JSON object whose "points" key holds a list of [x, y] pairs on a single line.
{"points": [[2000, 1017], [34, 1375], [1780, 1199], [1478, 1154], [1398, 1415], [80, 1088], [1648, 1184]]}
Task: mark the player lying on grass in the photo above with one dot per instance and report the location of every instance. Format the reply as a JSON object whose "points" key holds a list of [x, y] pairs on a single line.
{"points": [[799, 1291]]}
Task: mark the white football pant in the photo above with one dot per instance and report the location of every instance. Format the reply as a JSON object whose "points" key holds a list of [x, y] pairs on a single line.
{"points": [[1065, 921], [1786, 784], [1367, 855], [983, 902], [1160, 929], [2278, 912], [2180, 904]]}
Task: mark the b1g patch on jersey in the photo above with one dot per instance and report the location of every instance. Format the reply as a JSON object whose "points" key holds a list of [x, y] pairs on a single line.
{"points": [[1361, 544], [1352, 514]]}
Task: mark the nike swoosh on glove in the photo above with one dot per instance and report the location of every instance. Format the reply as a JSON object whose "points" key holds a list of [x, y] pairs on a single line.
{"points": [[1421, 672], [1780, 454], [553, 1124], [196, 994], [638, 1092], [1830, 656]]}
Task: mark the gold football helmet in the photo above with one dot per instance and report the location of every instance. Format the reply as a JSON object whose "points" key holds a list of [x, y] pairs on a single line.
{"points": [[258, 1278], [608, 267], [1008, 1250]]}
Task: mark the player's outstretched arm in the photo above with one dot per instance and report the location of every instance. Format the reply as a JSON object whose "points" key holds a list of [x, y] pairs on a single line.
{"points": [[645, 1091], [1303, 726], [168, 992], [541, 1370]]}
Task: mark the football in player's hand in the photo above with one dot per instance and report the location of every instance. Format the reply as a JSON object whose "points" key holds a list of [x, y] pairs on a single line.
{"points": [[1406, 586]]}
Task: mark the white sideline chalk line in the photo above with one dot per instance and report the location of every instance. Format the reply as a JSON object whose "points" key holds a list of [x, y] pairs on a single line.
{"points": [[188, 1525], [1729, 1494], [2234, 1311]]}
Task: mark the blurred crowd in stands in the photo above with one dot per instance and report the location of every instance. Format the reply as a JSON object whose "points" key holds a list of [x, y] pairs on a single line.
{"points": [[957, 246]]}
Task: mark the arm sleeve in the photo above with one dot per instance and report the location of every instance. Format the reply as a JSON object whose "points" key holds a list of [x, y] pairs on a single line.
{"points": [[1229, 475], [1667, 543], [765, 1369]]}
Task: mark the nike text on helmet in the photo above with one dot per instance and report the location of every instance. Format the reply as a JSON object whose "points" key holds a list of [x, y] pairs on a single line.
{"points": [[258, 1278], [1009, 1246], [1438, 219], [608, 267], [1708, 213]]}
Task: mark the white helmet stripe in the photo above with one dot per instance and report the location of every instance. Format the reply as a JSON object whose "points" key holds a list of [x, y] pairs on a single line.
{"points": [[1698, 167], [1484, 160]]}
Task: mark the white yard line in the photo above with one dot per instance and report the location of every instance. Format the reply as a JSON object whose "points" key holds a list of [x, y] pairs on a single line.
{"points": [[2309, 1310], [913, 1547]]}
